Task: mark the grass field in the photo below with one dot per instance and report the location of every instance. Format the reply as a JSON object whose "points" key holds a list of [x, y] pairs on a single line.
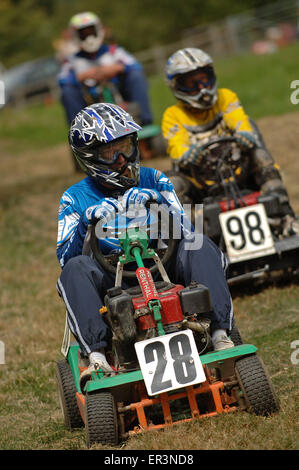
{"points": [[32, 322], [35, 170], [261, 82]]}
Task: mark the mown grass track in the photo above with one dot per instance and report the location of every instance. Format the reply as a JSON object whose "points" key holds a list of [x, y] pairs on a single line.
{"points": [[32, 318], [35, 169]]}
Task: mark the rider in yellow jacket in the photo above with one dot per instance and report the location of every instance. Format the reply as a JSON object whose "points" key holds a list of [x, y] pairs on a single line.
{"points": [[183, 127], [203, 112]]}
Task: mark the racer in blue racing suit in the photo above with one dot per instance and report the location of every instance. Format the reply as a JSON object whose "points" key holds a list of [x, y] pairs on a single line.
{"points": [[96, 62], [103, 138]]}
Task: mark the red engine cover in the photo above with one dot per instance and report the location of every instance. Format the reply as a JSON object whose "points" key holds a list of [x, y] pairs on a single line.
{"points": [[171, 311], [249, 200]]}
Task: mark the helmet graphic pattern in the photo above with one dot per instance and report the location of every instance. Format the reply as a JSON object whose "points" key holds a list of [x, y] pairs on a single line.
{"points": [[101, 122], [97, 125], [185, 61]]}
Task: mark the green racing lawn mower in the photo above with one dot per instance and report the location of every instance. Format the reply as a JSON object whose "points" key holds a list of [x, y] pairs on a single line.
{"points": [[165, 369]]}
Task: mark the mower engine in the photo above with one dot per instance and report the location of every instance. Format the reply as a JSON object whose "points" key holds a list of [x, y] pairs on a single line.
{"points": [[131, 319]]}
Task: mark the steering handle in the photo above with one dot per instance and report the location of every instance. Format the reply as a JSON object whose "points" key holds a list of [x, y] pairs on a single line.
{"points": [[106, 261]]}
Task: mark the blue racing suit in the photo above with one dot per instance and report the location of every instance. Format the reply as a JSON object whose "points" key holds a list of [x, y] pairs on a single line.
{"points": [[83, 283], [131, 84]]}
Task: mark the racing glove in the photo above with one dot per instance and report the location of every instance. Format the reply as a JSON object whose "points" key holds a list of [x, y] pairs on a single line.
{"points": [[106, 209], [135, 197], [193, 156], [246, 140]]}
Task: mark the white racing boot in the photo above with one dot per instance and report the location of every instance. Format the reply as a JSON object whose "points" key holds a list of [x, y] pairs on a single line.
{"points": [[97, 361], [221, 341]]}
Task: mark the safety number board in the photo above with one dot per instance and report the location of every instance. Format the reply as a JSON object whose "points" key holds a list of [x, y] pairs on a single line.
{"points": [[246, 233], [169, 362]]}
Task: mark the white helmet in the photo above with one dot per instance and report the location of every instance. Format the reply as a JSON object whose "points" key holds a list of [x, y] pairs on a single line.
{"points": [[181, 64], [88, 31]]}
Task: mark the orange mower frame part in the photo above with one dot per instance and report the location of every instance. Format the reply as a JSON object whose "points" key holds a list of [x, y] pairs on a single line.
{"points": [[219, 393], [219, 402]]}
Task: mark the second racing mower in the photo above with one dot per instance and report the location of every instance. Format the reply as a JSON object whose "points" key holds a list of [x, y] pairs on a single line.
{"points": [[245, 224]]}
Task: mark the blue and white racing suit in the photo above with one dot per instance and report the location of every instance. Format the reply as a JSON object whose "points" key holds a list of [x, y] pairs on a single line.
{"points": [[131, 84], [83, 283]]}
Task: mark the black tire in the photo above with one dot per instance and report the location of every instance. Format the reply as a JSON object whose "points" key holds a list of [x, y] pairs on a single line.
{"points": [[255, 383], [101, 419], [235, 336], [67, 396]]}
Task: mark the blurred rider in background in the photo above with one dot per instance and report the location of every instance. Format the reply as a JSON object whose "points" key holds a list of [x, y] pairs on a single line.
{"points": [[204, 112], [95, 62]]}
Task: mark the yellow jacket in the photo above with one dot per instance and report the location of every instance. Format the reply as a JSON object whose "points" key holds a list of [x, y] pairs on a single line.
{"points": [[183, 127]]}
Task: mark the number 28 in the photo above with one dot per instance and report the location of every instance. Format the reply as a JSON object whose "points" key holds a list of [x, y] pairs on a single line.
{"points": [[183, 363]]}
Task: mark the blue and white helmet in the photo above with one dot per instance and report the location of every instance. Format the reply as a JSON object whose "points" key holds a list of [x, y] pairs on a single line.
{"points": [[187, 61], [92, 133]]}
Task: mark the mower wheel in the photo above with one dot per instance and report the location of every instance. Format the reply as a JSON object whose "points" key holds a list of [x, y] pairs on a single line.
{"points": [[235, 336], [256, 386], [67, 396], [101, 419]]}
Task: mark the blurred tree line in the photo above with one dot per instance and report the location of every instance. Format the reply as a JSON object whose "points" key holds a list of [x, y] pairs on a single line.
{"points": [[29, 28]]}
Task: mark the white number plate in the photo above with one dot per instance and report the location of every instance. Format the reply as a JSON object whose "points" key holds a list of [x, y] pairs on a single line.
{"points": [[169, 362], [246, 233]]}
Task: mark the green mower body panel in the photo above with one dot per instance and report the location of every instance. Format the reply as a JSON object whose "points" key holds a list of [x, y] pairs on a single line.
{"points": [[212, 359]]}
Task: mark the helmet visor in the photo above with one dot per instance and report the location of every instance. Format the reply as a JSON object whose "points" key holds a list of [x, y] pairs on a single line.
{"points": [[84, 33], [110, 152], [195, 81]]}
